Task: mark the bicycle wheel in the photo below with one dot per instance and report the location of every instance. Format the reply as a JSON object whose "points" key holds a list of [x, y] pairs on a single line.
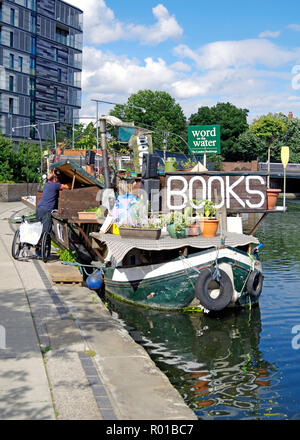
{"points": [[16, 245], [46, 246]]}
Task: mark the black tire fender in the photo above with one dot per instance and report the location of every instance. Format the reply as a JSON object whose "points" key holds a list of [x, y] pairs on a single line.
{"points": [[205, 284], [255, 283]]}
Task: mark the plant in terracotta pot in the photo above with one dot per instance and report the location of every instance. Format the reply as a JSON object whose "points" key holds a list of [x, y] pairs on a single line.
{"points": [[272, 196], [208, 221], [193, 226]]}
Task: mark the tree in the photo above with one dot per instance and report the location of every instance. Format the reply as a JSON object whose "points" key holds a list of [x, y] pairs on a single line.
{"points": [[163, 115], [233, 122], [6, 170], [17, 164], [291, 139], [251, 147], [269, 128]]}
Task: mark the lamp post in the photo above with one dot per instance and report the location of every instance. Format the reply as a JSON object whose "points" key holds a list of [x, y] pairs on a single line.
{"points": [[97, 135], [116, 103]]}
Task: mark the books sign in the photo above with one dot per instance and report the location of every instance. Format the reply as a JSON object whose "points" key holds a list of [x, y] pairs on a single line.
{"points": [[204, 139]]}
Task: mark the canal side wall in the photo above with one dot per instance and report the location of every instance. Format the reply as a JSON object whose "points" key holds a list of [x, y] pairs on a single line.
{"points": [[12, 192]]}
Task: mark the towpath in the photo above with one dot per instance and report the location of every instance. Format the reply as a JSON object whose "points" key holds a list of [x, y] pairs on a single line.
{"points": [[64, 357]]}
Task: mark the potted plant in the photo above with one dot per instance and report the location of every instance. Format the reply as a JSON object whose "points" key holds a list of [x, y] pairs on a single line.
{"points": [[139, 225], [91, 213], [178, 224], [208, 221], [272, 196]]}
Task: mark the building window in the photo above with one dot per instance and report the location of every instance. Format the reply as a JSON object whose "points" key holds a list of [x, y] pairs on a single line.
{"points": [[11, 39], [33, 5], [32, 87], [20, 64], [58, 114], [32, 66], [33, 23], [55, 94], [10, 105], [59, 75], [62, 36], [11, 83], [32, 110], [32, 45], [11, 61], [55, 54], [26, 3], [12, 17]]}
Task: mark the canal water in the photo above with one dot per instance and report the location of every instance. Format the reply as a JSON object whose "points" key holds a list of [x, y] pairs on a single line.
{"points": [[244, 364]]}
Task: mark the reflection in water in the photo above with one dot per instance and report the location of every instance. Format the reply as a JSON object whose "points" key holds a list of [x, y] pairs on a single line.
{"points": [[215, 363], [240, 364]]}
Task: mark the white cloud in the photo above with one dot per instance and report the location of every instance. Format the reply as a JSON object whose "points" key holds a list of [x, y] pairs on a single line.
{"points": [[180, 66], [253, 73], [222, 54], [101, 26], [107, 73], [269, 34], [166, 27], [294, 27]]}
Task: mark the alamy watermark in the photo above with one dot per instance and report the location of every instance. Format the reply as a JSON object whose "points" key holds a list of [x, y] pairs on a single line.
{"points": [[296, 77], [296, 338], [2, 338]]}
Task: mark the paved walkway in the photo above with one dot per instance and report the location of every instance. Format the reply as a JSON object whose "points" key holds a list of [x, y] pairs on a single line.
{"points": [[24, 387], [66, 358]]}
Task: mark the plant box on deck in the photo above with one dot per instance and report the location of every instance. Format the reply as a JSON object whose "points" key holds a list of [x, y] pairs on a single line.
{"points": [[143, 233], [85, 215]]}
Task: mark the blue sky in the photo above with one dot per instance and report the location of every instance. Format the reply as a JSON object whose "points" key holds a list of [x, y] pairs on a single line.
{"points": [[200, 52]]}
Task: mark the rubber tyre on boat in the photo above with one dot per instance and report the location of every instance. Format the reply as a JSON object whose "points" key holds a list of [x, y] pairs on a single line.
{"points": [[255, 283], [46, 247], [16, 245], [205, 285]]}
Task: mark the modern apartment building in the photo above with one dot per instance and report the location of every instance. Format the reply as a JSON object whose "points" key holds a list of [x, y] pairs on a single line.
{"points": [[40, 66]]}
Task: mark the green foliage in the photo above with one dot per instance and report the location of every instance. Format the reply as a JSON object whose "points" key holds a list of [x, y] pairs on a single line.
{"points": [[233, 122], [291, 139], [17, 163], [162, 113], [66, 255], [6, 154], [208, 207], [268, 128], [85, 137], [249, 147]]}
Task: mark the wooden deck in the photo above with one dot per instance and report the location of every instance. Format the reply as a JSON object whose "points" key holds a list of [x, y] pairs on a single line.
{"points": [[64, 274]]}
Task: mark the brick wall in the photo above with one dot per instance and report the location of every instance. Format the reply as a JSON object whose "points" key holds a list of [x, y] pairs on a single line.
{"points": [[240, 166]]}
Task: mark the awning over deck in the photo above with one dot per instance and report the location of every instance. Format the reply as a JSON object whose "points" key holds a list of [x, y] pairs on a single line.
{"points": [[69, 169], [119, 247]]}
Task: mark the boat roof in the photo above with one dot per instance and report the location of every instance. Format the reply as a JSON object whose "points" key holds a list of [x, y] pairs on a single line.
{"points": [[118, 247], [69, 169]]}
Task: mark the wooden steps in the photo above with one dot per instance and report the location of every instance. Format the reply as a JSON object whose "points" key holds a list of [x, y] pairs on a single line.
{"points": [[63, 274]]}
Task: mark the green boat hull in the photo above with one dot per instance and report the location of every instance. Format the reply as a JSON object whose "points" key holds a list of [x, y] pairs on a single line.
{"points": [[175, 291]]}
